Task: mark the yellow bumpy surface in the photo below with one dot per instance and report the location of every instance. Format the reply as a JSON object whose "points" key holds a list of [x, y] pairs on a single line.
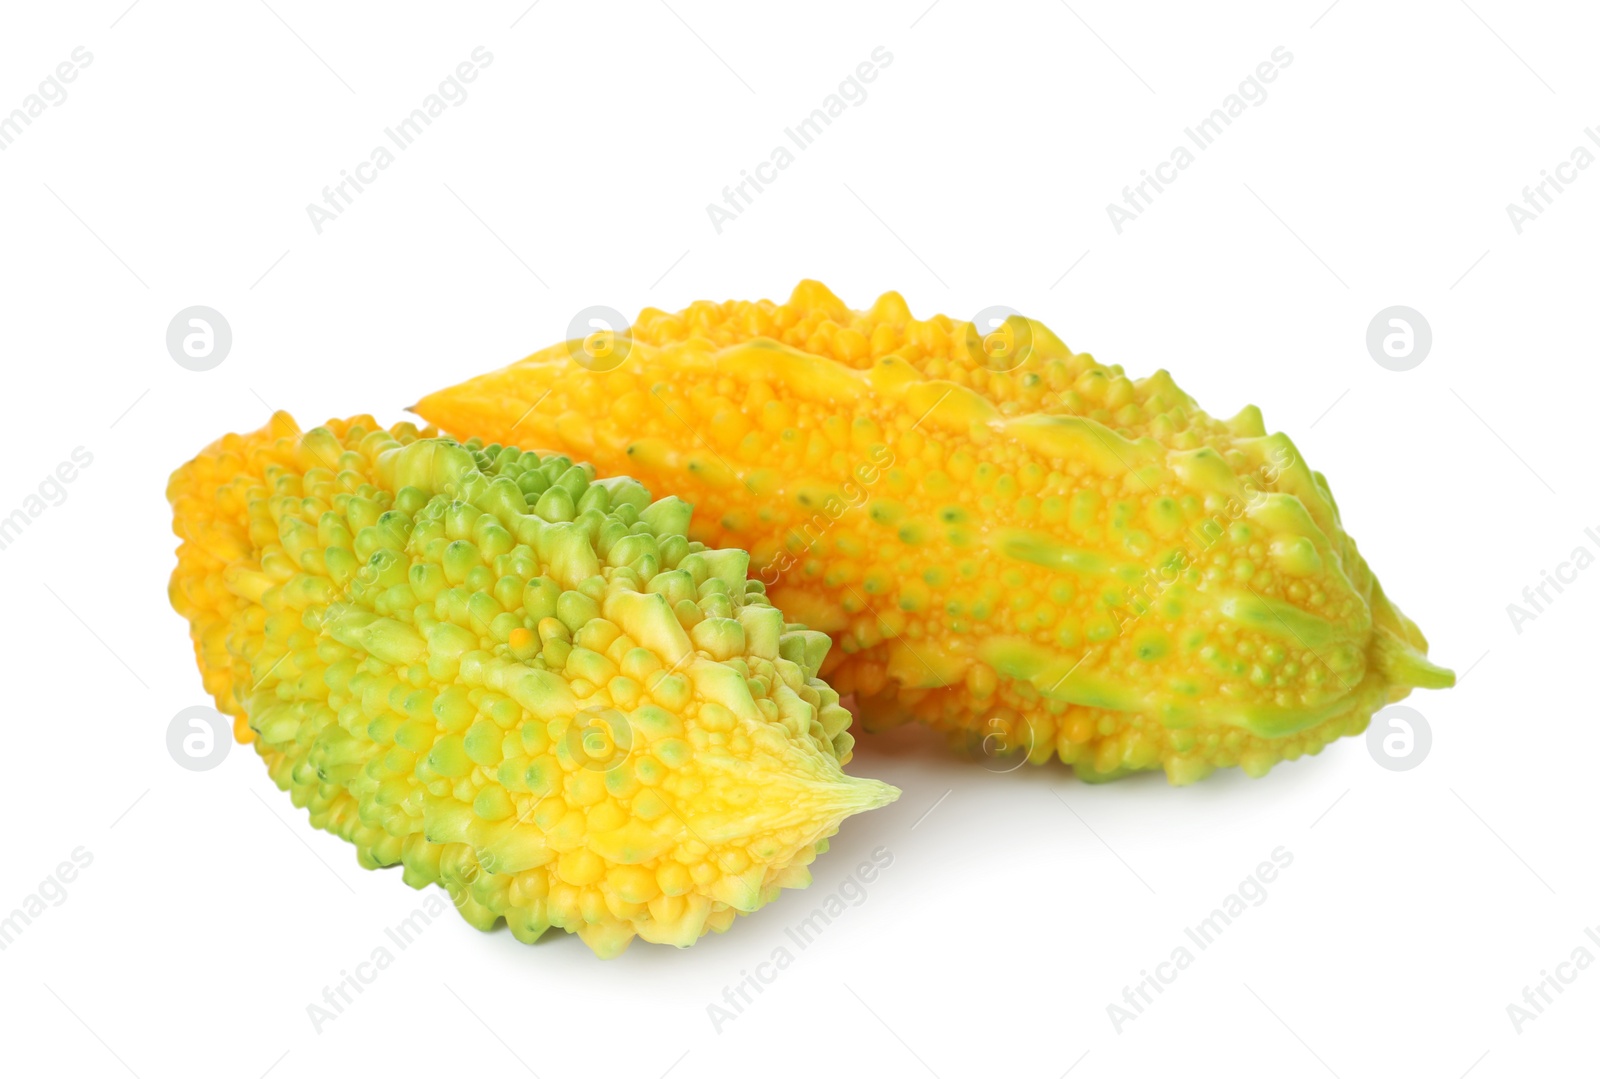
{"points": [[1007, 540], [520, 682]]}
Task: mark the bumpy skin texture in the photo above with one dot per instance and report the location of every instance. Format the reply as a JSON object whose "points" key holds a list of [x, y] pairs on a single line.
{"points": [[519, 682], [1007, 540]]}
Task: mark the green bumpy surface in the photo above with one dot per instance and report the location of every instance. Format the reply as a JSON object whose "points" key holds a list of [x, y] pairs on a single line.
{"points": [[517, 681]]}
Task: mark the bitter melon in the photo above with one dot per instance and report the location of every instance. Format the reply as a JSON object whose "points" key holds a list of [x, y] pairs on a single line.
{"points": [[518, 681], [1008, 540]]}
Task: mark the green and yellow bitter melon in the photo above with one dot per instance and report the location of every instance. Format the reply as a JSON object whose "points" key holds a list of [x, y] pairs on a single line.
{"points": [[1007, 540], [518, 681]]}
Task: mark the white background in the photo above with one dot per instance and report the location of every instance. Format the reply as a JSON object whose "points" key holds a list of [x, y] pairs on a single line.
{"points": [[1419, 904]]}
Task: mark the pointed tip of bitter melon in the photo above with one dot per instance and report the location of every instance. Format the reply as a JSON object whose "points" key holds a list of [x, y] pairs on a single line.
{"points": [[846, 796], [1407, 668], [520, 682], [1400, 651], [996, 537]]}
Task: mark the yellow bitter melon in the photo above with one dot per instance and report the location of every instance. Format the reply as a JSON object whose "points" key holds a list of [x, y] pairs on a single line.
{"points": [[520, 682], [1007, 540]]}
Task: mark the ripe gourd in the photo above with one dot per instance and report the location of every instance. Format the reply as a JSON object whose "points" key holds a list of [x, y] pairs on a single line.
{"points": [[518, 681], [1007, 540]]}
